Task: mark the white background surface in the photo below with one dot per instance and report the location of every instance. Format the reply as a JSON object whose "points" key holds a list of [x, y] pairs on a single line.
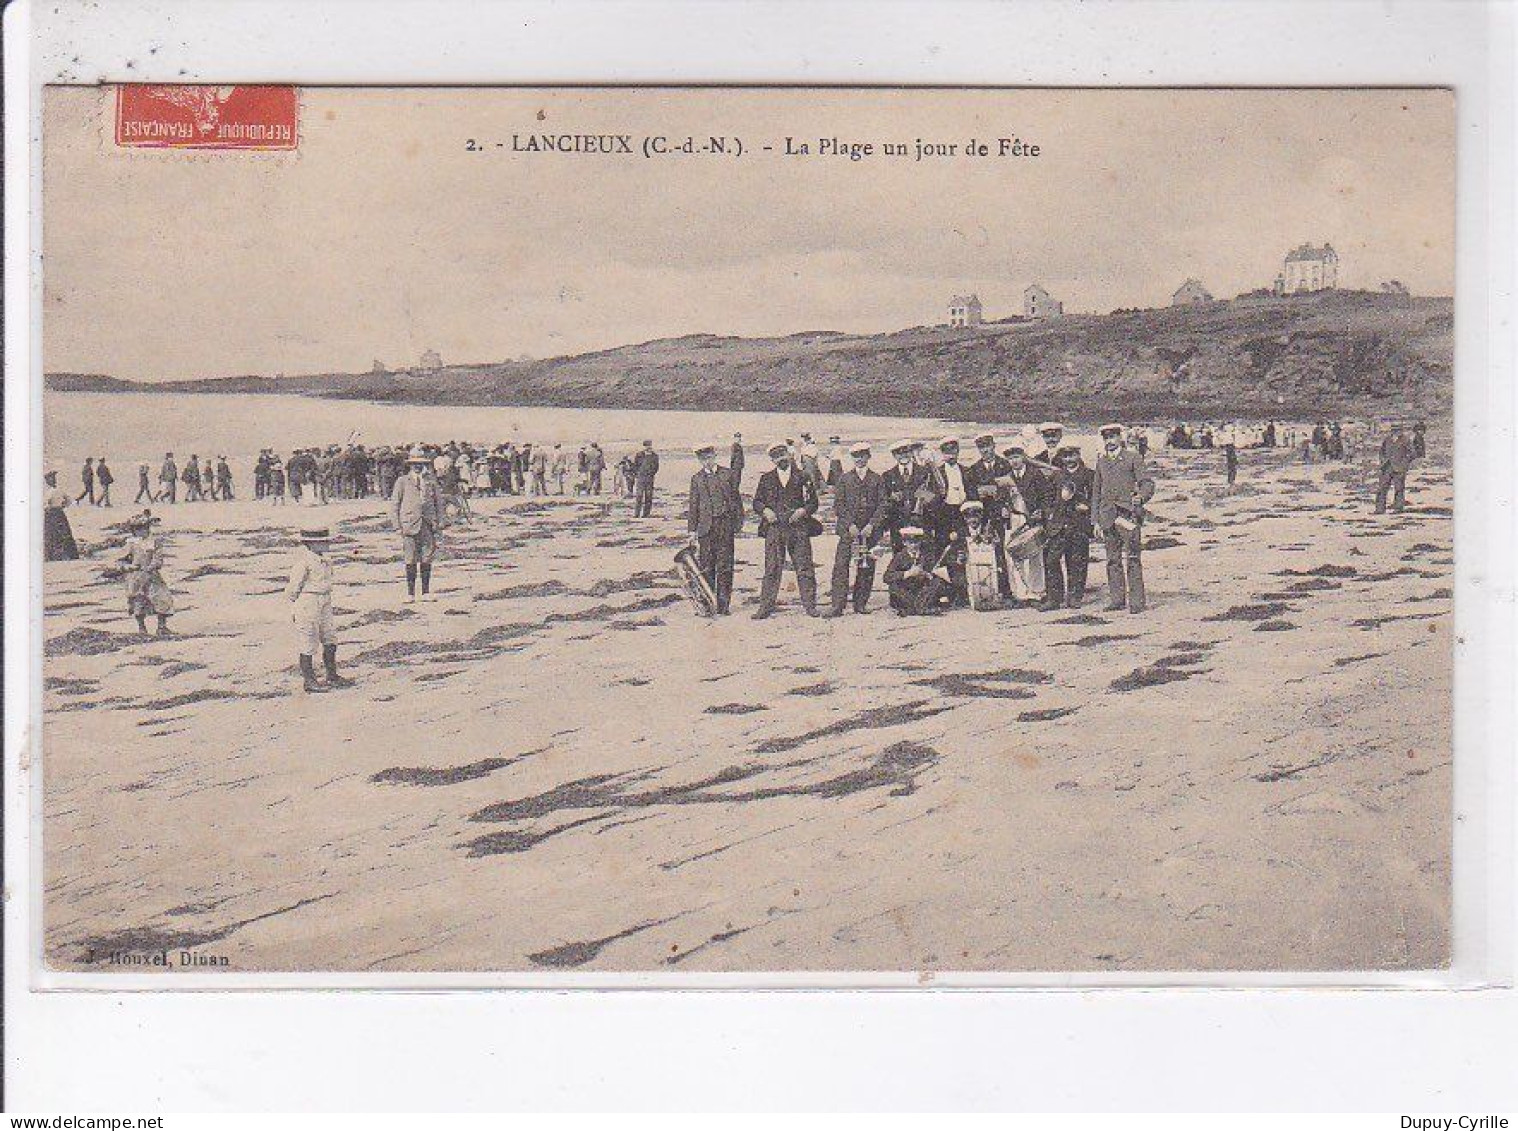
{"points": [[1395, 1050]]}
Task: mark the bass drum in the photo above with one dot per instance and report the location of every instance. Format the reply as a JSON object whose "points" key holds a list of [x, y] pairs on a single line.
{"points": [[982, 574]]}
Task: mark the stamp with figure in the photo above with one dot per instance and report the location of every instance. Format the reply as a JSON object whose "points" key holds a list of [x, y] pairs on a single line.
{"points": [[189, 116]]}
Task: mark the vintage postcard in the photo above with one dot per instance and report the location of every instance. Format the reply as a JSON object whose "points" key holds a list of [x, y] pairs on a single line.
{"points": [[740, 530]]}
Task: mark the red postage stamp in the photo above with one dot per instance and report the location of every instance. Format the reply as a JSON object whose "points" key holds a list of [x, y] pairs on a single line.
{"points": [[187, 116]]}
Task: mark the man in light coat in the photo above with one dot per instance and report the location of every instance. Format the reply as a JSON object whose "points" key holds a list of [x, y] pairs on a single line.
{"points": [[168, 475], [416, 506], [309, 592], [1120, 487]]}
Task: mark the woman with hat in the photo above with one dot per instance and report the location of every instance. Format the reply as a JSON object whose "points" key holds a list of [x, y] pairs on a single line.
{"points": [[58, 543], [310, 591], [147, 592]]}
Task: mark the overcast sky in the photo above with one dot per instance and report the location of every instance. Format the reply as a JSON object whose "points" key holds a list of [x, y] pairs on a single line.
{"points": [[383, 236]]}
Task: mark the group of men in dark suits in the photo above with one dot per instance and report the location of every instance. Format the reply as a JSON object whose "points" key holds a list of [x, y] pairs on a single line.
{"points": [[1052, 492]]}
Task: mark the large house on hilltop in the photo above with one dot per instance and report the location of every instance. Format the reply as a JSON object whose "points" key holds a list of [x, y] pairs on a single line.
{"points": [[1190, 293], [431, 362], [1309, 268], [1039, 303], [965, 310]]}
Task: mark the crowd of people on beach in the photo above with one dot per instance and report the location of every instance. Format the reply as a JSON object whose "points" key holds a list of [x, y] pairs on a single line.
{"points": [[355, 471], [1011, 527]]}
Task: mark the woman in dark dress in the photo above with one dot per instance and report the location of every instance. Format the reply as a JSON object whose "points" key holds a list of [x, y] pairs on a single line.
{"points": [[58, 543]]}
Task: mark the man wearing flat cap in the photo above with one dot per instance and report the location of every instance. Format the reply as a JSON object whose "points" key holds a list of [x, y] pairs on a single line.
{"points": [[416, 509], [309, 592], [1120, 486], [715, 515], [1395, 462], [1054, 437], [985, 478], [948, 528], [1067, 532], [786, 501], [859, 498], [645, 467], [904, 490]]}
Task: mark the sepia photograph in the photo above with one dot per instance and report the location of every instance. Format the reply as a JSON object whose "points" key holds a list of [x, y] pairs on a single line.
{"points": [[742, 530]]}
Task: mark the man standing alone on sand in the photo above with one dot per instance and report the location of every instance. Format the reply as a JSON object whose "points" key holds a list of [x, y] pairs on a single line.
{"points": [[1396, 460], [715, 515], [416, 505], [1119, 489], [645, 467], [1230, 439], [786, 501], [310, 592]]}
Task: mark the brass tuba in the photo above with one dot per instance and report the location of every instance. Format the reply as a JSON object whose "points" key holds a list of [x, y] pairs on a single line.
{"points": [[697, 589]]}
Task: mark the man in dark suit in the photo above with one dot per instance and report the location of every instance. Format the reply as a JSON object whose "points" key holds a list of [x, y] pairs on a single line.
{"points": [[1396, 460], [715, 517], [950, 493], [981, 482], [1030, 481], [1067, 533], [903, 485], [645, 467], [786, 502], [1054, 437], [859, 499], [834, 468]]}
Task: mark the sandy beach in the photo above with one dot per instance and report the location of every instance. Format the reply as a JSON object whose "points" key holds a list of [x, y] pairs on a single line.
{"points": [[556, 765]]}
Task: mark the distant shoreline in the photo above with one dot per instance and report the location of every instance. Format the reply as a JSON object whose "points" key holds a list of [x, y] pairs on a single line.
{"points": [[1327, 353]]}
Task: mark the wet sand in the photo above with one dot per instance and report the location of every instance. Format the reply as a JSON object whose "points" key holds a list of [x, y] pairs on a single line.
{"points": [[557, 766]]}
